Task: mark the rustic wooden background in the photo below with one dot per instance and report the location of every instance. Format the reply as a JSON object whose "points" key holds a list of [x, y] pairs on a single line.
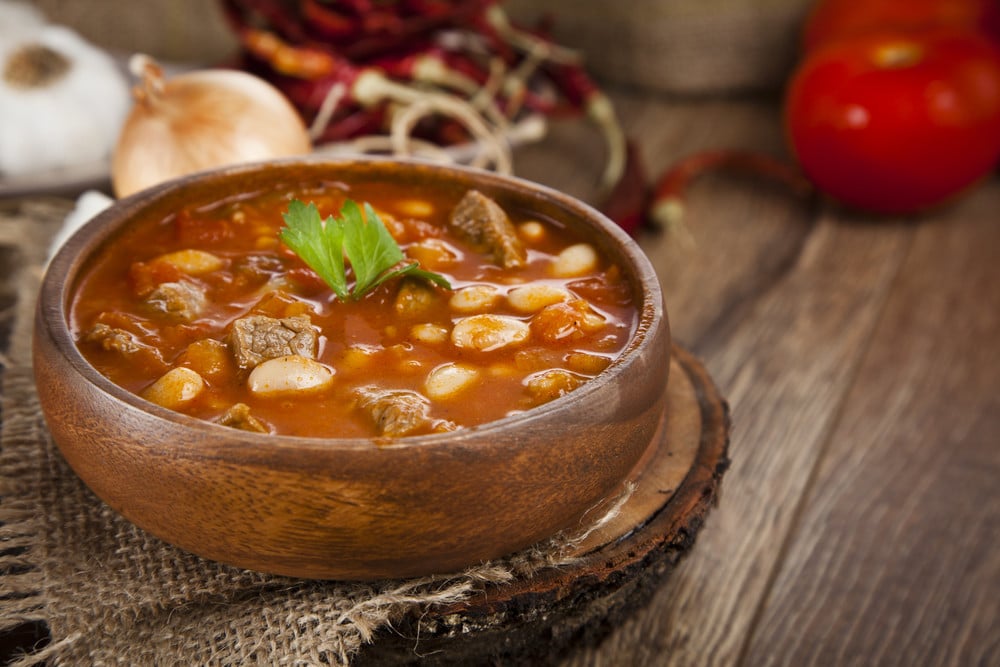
{"points": [[859, 521], [675, 46]]}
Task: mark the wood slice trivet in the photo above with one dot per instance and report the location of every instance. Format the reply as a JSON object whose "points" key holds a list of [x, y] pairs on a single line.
{"points": [[538, 620]]}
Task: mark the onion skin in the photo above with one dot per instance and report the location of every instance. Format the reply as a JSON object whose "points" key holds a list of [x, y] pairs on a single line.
{"points": [[201, 120]]}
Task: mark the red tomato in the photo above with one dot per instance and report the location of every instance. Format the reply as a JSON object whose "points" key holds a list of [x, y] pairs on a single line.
{"points": [[894, 123], [837, 19]]}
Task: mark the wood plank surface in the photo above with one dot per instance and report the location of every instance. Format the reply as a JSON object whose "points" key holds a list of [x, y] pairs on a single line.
{"points": [[894, 557], [781, 299], [783, 302], [784, 370]]}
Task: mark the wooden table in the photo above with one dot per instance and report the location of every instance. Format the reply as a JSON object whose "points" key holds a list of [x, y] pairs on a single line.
{"points": [[859, 520]]}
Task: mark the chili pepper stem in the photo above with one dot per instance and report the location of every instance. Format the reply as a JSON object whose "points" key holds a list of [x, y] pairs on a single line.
{"points": [[667, 214], [325, 113], [602, 113], [371, 88], [527, 42], [667, 208]]}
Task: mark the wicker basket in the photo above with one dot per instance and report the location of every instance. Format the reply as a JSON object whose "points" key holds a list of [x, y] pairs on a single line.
{"points": [[678, 46]]}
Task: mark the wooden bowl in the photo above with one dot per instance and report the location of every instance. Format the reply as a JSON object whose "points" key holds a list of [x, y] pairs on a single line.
{"points": [[347, 508]]}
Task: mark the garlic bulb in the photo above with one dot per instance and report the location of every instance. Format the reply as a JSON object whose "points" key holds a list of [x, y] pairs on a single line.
{"points": [[62, 100], [19, 17], [198, 120]]}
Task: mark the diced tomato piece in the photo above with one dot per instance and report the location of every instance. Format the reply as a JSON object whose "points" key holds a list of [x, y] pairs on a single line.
{"points": [[199, 231], [146, 276]]}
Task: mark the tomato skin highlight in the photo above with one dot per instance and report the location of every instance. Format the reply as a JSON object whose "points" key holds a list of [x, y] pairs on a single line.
{"points": [[896, 122]]}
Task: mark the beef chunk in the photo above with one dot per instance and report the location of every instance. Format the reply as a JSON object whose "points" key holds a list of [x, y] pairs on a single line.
{"points": [[395, 412], [482, 222], [257, 338], [113, 339], [180, 300], [238, 416]]}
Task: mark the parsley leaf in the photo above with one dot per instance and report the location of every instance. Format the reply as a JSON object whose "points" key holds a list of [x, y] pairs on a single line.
{"points": [[319, 245], [362, 238], [369, 247]]}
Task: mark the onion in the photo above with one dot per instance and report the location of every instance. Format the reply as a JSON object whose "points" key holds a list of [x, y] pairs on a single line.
{"points": [[199, 120]]}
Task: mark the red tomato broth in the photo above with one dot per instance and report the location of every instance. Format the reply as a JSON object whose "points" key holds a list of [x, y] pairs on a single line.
{"points": [[243, 232]]}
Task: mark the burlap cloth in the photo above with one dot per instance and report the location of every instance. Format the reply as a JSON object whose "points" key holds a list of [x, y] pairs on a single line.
{"points": [[113, 594]]}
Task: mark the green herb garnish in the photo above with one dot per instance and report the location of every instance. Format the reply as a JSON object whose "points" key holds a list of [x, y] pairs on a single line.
{"points": [[374, 256]]}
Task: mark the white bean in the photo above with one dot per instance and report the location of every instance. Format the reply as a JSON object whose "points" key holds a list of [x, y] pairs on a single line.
{"points": [[449, 380], [193, 262], [429, 333], [489, 332], [575, 260], [592, 322], [288, 374], [532, 298], [531, 231], [175, 388], [415, 208], [474, 299]]}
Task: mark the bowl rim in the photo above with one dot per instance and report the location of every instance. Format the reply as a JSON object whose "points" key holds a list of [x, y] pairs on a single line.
{"points": [[65, 265]]}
